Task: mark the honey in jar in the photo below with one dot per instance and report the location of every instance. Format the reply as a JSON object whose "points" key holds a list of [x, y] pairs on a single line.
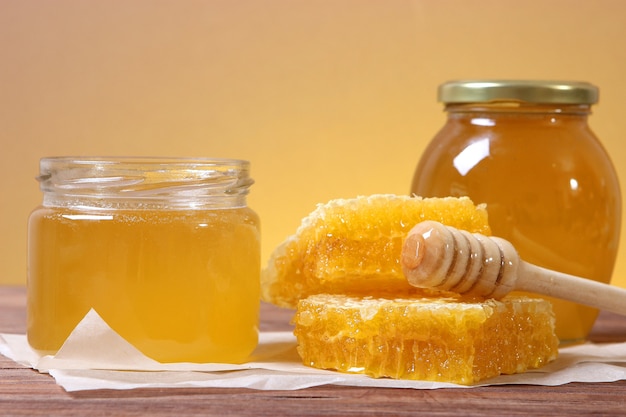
{"points": [[167, 252], [526, 150]]}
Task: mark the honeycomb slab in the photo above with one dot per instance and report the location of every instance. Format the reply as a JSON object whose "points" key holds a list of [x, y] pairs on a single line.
{"points": [[434, 339], [353, 246]]}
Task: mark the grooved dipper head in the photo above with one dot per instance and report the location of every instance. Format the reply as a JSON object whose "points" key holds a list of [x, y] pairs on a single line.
{"points": [[445, 258]]}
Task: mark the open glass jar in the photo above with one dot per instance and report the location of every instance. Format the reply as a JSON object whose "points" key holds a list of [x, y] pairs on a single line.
{"points": [[166, 251], [525, 149]]}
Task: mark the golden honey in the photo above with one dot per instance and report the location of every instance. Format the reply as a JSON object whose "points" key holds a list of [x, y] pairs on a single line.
{"points": [[353, 246], [174, 269], [432, 338], [525, 149]]}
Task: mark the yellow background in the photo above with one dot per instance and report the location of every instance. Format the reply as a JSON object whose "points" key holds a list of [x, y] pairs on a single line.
{"points": [[326, 98]]}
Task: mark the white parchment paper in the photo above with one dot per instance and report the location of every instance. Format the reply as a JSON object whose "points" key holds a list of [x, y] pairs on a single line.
{"points": [[96, 357]]}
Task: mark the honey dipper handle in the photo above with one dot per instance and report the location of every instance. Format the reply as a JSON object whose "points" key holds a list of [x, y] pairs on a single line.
{"points": [[533, 278]]}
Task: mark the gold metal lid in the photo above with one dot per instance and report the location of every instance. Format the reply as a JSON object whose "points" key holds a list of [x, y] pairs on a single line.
{"points": [[531, 91]]}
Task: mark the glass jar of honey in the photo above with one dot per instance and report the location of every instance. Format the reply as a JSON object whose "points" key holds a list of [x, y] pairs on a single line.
{"points": [[166, 251], [525, 149]]}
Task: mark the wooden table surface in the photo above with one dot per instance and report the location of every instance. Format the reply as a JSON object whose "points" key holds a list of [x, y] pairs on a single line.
{"points": [[24, 391]]}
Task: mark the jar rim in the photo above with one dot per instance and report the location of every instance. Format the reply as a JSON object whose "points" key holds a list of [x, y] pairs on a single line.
{"points": [[530, 91], [143, 161], [146, 181]]}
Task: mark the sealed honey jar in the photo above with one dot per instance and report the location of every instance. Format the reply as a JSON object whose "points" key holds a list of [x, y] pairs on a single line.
{"points": [[526, 150], [166, 251]]}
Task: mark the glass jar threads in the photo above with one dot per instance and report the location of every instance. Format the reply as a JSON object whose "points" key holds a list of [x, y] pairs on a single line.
{"points": [[166, 251], [525, 149]]}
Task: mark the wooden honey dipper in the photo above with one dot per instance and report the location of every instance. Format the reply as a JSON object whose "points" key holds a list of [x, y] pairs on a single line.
{"points": [[445, 258]]}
